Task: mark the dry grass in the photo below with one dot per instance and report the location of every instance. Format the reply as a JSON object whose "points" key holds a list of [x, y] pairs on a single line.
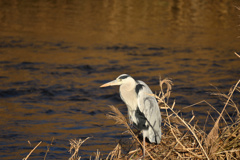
{"points": [[75, 145]]}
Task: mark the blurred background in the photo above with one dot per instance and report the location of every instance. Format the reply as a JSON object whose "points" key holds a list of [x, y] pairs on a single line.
{"points": [[54, 55]]}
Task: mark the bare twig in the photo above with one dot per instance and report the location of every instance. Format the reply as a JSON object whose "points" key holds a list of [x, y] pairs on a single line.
{"points": [[199, 143], [236, 52], [185, 147], [48, 148], [76, 144], [116, 153], [32, 150], [213, 135]]}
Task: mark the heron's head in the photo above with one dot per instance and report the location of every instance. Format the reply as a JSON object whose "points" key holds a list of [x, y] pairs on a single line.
{"points": [[122, 79]]}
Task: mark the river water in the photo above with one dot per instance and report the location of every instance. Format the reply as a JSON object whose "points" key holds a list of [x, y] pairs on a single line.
{"points": [[54, 55]]}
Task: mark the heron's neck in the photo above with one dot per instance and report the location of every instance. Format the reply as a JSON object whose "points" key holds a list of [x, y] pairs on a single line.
{"points": [[128, 95], [130, 86]]}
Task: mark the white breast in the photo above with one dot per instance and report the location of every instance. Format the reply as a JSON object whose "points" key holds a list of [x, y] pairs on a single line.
{"points": [[130, 99]]}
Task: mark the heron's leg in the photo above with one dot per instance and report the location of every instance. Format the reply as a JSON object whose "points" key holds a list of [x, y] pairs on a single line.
{"points": [[144, 138]]}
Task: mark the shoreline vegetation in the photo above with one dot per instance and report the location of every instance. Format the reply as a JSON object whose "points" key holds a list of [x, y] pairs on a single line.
{"points": [[182, 138]]}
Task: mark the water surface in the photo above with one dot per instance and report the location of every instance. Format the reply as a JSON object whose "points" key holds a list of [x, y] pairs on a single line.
{"points": [[56, 54]]}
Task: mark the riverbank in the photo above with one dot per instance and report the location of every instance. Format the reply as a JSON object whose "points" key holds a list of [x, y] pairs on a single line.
{"points": [[182, 137]]}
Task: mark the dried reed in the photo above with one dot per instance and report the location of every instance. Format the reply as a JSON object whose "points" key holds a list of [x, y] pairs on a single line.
{"points": [[48, 148], [75, 145], [32, 151]]}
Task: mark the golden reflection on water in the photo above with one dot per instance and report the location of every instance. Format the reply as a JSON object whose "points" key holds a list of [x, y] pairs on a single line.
{"points": [[97, 22], [55, 55]]}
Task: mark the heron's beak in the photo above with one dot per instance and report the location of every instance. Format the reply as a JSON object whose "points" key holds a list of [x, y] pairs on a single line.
{"points": [[112, 83]]}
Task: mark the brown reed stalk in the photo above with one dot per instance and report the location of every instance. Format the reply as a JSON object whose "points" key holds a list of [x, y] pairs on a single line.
{"points": [[161, 100], [75, 145], [213, 135], [236, 52], [97, 157], [115, 153], [32, 151], [191, 130], [48, 148]]}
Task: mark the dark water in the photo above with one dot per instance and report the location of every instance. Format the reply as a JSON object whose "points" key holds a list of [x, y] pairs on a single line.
{"points": [[54, 55]]}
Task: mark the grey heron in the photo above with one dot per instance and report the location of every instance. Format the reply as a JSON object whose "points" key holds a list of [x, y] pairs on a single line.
{"points": [[143, 109]]}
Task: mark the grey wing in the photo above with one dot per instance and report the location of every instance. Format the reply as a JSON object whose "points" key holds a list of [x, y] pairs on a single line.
{"points": [[149, 107]]}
